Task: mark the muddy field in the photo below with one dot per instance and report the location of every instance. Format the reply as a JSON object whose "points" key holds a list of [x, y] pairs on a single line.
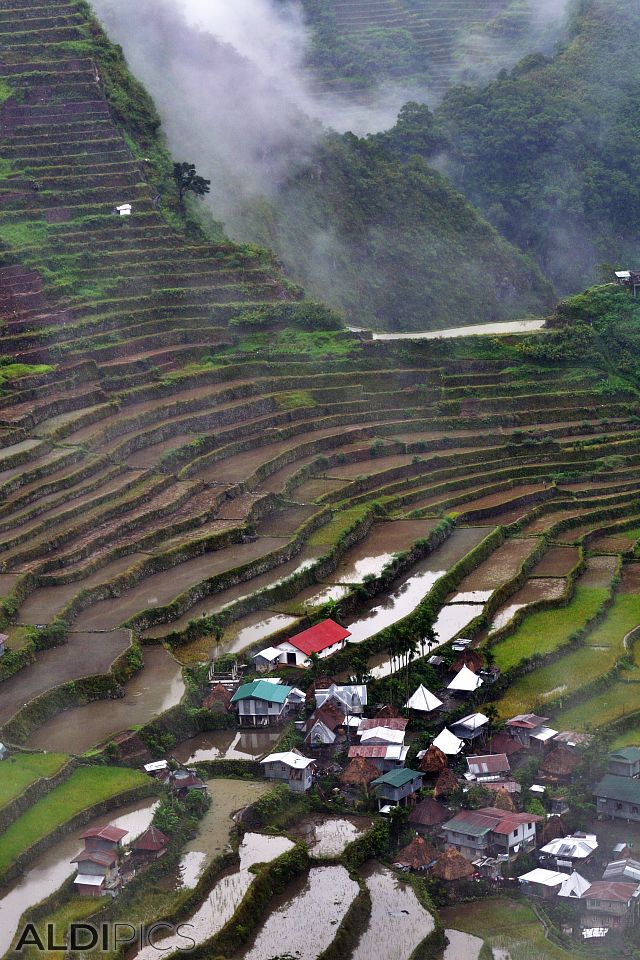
{"points": [[503, 564], [154, 689], [556, 562], [533, 591]]}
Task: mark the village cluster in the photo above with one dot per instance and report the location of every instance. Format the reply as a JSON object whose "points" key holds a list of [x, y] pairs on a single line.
{"points": [[364, 748], [367, 749]]}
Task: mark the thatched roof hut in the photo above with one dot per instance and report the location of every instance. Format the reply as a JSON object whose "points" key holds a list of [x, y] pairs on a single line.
{"points": [[553, 829], [388, 712], [502, 800], [446, 784], [359, 773], [470, 659], [559, 765], [427, 814], [453, 866], [218, 698], [434, 761], [417, 855]]}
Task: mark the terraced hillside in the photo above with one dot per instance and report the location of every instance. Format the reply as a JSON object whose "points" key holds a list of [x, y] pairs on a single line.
{"points": [[200, 460], [429, 40]]}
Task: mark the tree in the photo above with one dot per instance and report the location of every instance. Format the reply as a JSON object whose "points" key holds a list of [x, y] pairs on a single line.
{"points": [[188, 181]]}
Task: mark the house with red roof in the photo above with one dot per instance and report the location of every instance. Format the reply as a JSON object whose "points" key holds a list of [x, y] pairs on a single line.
{"points": [[98, 864], [610, 903], [150, 846], [491, 832], [323, 639]]}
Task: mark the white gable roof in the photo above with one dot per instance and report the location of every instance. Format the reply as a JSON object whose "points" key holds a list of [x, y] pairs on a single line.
{"points": [[350, 695], [89, 880], [448, 743], [466, 681], [474, 721], [548, 878], [290, 759], [382, 733], [270, 654], [423, 700]]}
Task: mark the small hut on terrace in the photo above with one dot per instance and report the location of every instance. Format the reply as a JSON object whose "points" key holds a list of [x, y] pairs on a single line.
{"points": [[218, 699], [470, 659], [502, 799], [553, 829], [359, 773], [559, 765], [434, 761], [417, 855], [446, 784], [453, 866], [427, 815]]}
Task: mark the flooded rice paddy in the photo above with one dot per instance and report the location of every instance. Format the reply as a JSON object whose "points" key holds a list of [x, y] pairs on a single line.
{"points": [[154, 689], [230, 744], [462, 946], [556, 562], [477, 330], [398, 921], [224, 598], [307, 916], [503, 564], [225, 896], [227, 797], [252, 629], [329, 836], [378, 548], [54, 867], [533, 591], [161, 588]]}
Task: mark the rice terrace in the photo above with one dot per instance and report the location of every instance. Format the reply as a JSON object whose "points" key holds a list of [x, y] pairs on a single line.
{"points": [[315, 637]]}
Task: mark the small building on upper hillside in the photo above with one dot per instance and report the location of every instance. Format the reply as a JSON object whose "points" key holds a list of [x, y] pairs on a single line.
{"points": [[4, 753], [291, 768], [262, 702], [267, 659], [183, 782], [323, 640], [568, 853], [618, 797], [625, 762], [488, 768], [4, 640], [609, 903], [397, 788]]}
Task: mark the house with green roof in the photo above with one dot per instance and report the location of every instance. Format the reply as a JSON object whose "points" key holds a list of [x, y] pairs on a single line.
{"points": [[261, 703], [397, 787], [618, 797], [625, 762]]}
